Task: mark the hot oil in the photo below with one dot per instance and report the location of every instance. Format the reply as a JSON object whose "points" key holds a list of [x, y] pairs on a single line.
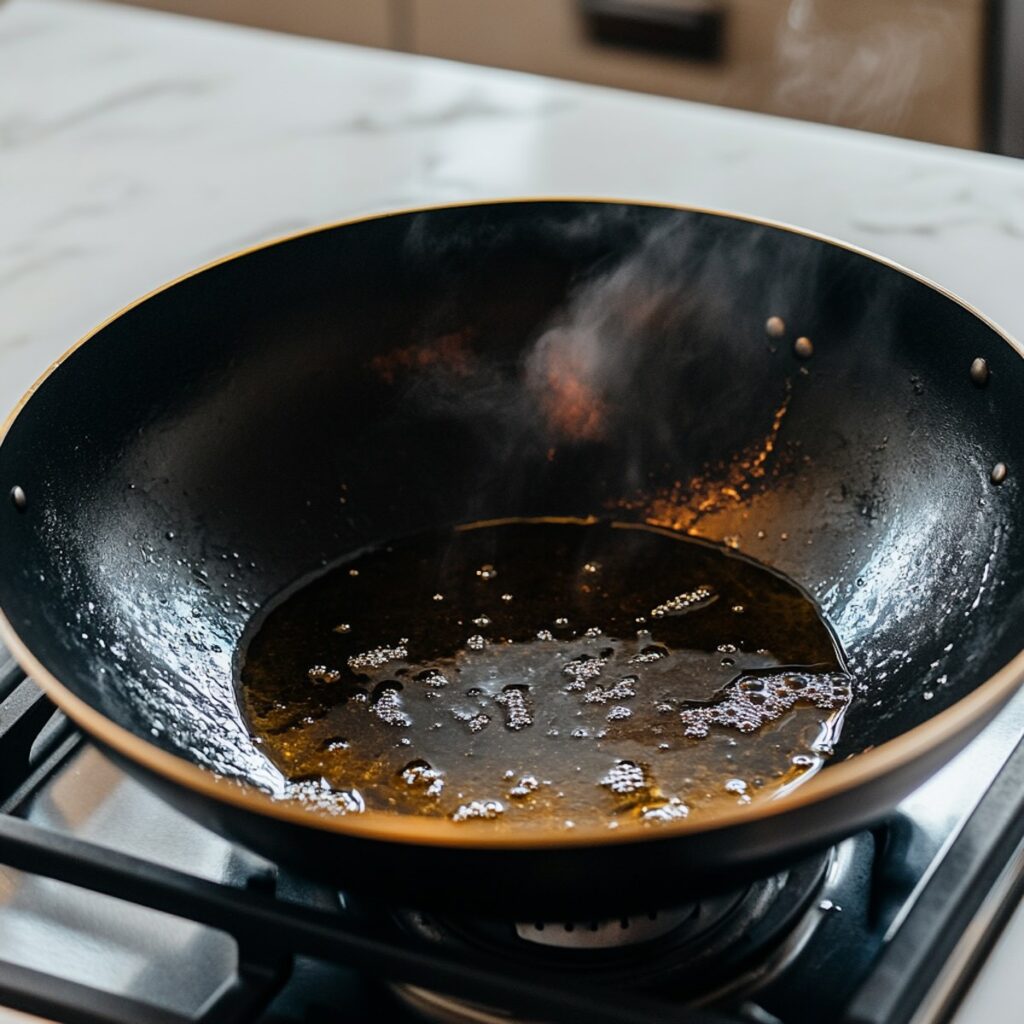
{"points": [[547, 673]]}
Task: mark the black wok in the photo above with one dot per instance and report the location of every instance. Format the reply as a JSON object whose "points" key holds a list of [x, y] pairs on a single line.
{"points": [[364, 381]]}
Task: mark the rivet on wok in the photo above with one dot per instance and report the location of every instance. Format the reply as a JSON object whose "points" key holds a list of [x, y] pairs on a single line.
{"points": [[999, 473], [775, 327], [803, 348], [979, 372], [18, 498]]}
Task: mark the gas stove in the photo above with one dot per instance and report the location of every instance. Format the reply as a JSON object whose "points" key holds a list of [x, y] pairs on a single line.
{"points": [[116, 909]]}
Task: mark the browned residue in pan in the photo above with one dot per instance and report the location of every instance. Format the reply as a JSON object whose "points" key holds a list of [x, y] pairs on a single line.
{"points": [[682, 505], [451, 352]]}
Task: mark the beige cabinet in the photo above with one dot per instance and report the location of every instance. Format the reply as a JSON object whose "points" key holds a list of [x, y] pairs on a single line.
{"points": [[905, 67]]}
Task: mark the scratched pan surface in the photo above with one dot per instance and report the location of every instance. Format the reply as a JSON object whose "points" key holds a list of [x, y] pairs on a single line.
{"points": [[371, 379]]}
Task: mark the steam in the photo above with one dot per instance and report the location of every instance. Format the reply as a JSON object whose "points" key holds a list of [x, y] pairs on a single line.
{"points": [[847, 63], [670, 305], [582, 367], [613, 356], [579, 370]]}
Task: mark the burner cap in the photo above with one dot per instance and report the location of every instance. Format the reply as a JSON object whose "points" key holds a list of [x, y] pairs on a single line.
{"points": [[613, 933]]}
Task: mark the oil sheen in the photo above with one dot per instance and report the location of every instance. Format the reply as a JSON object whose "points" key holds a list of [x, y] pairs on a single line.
{"points": [[544, 673]]}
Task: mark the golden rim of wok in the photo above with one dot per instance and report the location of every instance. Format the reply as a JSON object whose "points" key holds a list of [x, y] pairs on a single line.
{"points": [[835, 779]]}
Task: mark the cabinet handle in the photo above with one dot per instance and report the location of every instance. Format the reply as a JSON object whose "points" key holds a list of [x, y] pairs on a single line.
{"points": [[693, 30]]}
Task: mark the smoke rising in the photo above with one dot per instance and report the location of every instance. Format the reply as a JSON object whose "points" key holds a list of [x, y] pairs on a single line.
{"points": [[859, 65], [657, 335]]}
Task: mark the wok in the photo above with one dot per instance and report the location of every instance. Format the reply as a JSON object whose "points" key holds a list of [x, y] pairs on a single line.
{"points": [[291, 404]]}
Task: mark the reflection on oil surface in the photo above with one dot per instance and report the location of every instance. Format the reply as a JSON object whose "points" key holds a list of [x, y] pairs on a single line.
{"points": [[544, 672]]}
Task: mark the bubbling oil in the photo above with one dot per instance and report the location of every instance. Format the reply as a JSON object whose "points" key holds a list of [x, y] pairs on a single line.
{"points": [[544, 673]]}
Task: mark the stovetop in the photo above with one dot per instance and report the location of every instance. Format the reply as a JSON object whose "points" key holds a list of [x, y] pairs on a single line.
{"points": [[115, 908]]}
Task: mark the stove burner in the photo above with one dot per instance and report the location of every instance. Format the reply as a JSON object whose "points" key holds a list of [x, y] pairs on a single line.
{"points": [[689, 951], [610, 934]]}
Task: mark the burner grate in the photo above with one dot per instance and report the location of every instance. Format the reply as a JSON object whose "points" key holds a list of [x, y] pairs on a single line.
{"points": [[280, 929]]}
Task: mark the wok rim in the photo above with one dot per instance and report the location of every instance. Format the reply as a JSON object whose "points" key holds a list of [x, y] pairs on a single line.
{"points": [[832, 781]]}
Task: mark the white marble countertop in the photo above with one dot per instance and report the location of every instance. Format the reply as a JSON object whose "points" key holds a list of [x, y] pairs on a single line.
{"points": [[135, 145]]}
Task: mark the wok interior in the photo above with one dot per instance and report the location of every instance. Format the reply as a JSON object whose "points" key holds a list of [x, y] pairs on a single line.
{"points": [[267, 416]]}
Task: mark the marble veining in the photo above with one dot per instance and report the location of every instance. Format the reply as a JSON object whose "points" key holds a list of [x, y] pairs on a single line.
{"points": [[934, 203], [463, 108], [20, 132]]}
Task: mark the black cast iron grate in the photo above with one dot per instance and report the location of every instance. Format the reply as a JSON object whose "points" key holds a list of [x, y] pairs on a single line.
{"points": [[976, 883]]}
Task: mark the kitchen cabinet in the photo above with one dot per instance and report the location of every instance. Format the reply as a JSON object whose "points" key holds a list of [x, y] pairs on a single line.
{"points": [[912, 69]]}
